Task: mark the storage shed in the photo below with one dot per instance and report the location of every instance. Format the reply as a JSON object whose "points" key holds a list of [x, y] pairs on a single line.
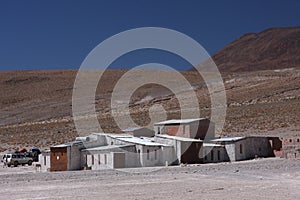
{"points": [[66, 156]]}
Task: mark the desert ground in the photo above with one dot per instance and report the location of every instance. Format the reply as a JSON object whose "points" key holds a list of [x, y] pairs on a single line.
{"points": [[270, 178]]}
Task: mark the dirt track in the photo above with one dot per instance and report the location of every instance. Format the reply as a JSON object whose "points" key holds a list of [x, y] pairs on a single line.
{"points": [[256, 179]]}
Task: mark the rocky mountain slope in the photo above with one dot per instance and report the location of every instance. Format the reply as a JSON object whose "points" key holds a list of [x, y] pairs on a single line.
{"points": [[275, 48]]}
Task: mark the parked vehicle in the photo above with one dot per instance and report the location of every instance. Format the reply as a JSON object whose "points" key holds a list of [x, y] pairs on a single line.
{"points": [[17, 159], [34, 154]]}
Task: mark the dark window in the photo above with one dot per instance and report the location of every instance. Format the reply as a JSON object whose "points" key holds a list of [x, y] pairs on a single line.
{"points": [[212, 155], [155, 154], [111, 143], [298, 140], [291, 140], [219, 156], [45, 160], [139, 154], [93, 160], [241, 149], [148, 156], [105, 159], [205, 156], [99, 160]]}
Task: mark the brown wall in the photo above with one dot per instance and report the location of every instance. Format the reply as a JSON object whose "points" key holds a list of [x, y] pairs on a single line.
{"points": [[191, 155], [58, 158]]}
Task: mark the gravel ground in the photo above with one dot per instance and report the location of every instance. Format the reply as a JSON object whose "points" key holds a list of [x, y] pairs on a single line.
{"points": [[256, 179]]}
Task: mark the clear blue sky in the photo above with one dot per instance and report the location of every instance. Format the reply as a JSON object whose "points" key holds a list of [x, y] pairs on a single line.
{"points": [[59, 34]]}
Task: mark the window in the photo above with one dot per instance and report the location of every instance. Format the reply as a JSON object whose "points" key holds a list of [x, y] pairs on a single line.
{"points": [[158, 130], [183, 127], [219, 155], [155, 154], [99, 160], [112, 143], [148, 156], [105, 159], [241, 149], [93, 160], [205, 156], [212, 155], [139, 154], [45, 160], [298, 140], [291, 140]]}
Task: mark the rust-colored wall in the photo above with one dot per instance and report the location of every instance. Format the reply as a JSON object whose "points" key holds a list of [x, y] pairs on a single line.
{"points": [[178, 130], [60, 164], [197, 130]]}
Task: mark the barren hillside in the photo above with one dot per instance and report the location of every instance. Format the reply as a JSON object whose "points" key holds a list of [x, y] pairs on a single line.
{"points": [[275, 48], [35, 106]]}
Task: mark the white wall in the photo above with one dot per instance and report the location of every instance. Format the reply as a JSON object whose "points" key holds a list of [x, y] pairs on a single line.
{"points": [[45, 166]]}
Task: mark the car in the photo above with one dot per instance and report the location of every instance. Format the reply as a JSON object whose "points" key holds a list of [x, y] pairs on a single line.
{"points": [[17, 159]]}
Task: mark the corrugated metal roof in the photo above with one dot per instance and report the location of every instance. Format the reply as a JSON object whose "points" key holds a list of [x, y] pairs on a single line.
{"points": [[131, 129], [179, 138], [211, 145], [136, 140], [119, 136], [179, 121], [108, 147], [228, 139], [68, 144], [112, 135]]}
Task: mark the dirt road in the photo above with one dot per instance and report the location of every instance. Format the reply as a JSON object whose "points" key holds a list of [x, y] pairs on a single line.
{"points": [[256, 179]]}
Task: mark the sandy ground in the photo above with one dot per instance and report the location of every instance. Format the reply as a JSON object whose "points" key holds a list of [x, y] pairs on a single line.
{"points": [[257, 179]]}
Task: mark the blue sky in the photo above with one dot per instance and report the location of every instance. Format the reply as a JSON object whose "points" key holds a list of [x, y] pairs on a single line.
{"points": [[59, 34]]}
